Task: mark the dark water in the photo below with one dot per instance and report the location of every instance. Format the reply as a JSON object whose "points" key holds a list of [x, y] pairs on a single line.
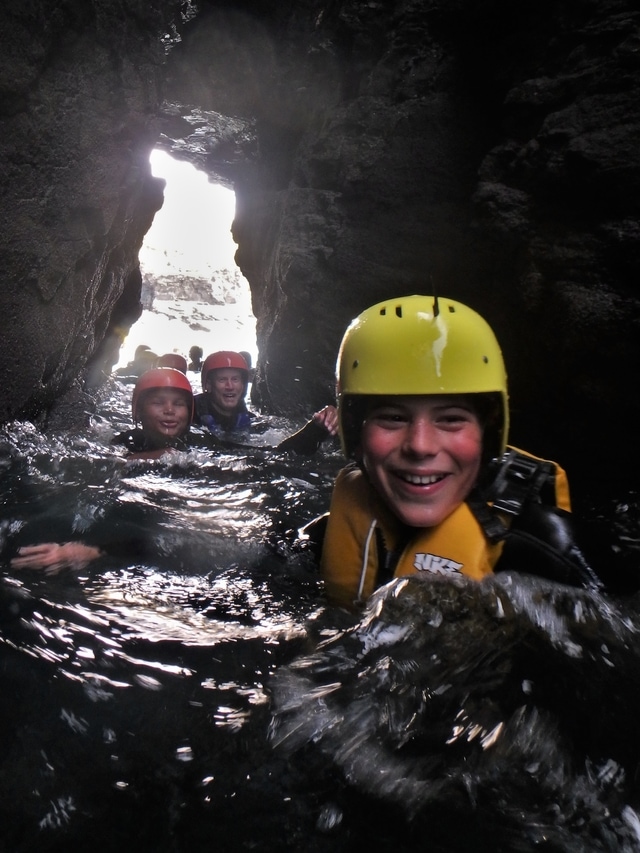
{"points": [[202, 696]]}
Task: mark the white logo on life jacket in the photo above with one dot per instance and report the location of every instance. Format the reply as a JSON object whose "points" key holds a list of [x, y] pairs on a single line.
{"points": [[435, 564]]}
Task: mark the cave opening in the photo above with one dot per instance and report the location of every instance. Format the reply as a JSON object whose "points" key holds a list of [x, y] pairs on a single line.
{"points": [[193, 293]]}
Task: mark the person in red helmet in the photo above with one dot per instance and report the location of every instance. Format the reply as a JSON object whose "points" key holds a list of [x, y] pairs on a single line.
{"points": [[162, 403], [221, 406], [173, 359]]}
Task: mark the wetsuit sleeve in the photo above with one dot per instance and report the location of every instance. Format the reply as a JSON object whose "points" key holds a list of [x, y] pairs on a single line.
{"points": [[306, 440], [203, 440], [113, 538], [132, 439], [548, 542], [551, 543]]}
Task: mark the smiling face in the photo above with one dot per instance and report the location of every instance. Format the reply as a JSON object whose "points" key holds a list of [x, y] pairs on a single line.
{"points": [[165, 414], [226, 387], [422, 454]]}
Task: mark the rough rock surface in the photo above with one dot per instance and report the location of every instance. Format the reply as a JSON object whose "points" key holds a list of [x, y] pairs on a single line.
{"points": [[487, 150]]}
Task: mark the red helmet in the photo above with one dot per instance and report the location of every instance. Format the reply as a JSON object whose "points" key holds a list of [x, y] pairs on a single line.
{"points": [[172, 359], [224, 358], [159, 377]]}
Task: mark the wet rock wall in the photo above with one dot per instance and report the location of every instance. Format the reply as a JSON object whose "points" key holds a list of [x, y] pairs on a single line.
{"points": [[486, 150]]}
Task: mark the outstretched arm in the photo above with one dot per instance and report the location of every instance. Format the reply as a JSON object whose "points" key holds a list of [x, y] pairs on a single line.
{"points": [[308, 439], [54, 557]]}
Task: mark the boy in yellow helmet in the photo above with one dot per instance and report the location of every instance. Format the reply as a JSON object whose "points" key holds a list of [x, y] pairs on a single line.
{"points": [[432, 487]]}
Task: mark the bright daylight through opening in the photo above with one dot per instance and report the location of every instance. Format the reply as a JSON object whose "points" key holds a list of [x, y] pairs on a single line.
{"points": [[193, 293]]}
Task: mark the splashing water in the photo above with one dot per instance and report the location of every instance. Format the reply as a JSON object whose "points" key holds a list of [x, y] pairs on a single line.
{"points": [[202, 694]]}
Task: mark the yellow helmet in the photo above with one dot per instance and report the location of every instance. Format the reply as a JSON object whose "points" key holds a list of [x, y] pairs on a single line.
{"points": [[418, 345]]}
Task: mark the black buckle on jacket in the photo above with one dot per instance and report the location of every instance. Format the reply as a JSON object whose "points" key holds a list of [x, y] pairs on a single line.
{"points": [[518, 479]]}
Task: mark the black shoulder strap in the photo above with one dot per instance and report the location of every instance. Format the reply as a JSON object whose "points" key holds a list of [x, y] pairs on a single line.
{"points": [[494, 526], [518, 479]]}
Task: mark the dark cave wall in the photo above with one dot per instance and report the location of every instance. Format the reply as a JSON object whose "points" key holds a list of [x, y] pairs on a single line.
{"points": [[369, 139], [78, 101], [488, 150], [556, 200]]}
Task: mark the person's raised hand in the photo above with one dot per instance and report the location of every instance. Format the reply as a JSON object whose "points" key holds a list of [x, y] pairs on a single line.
{"points": [[328, 418]]}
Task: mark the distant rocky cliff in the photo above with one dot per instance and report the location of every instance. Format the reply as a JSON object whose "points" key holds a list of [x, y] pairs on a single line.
{"points": [[221, 288], [486, 149]]}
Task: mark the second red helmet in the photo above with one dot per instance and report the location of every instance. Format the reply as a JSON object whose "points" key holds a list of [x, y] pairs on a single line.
{"points": [[159, 377], [173, 359], [223, 358]]}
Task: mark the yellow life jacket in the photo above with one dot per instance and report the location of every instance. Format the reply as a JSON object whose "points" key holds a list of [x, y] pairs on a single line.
{"points": [[361, 532]]}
